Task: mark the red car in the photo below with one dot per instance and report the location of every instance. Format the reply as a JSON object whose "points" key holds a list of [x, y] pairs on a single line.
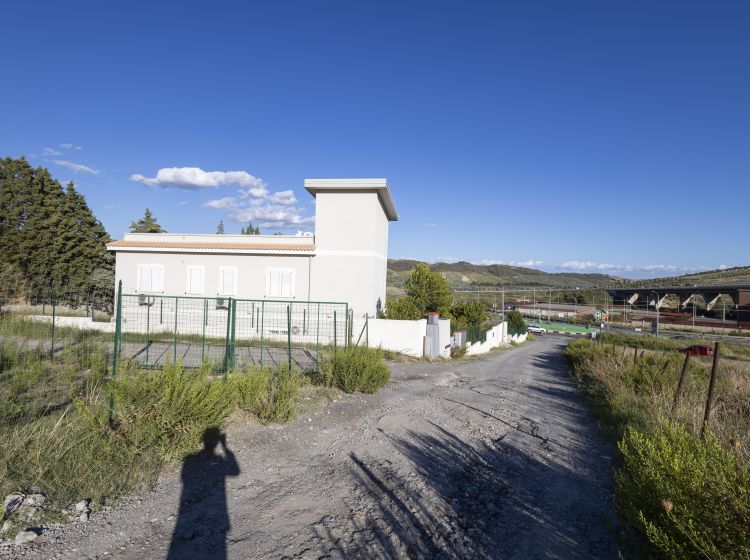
{"points": [[698, 350]]}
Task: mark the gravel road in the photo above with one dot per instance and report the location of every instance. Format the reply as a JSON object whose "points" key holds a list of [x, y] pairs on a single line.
{"points": [[488, 458]]}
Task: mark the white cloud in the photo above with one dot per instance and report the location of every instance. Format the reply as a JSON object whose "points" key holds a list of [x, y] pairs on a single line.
{"points": [[430, 226], [284, 198], [70, 147], [50, 152], [193, 178], [529, 262], [226, 203], [76, 167], [266, 209], [182, 203]]}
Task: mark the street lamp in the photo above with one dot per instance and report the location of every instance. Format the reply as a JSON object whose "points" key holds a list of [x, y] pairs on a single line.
{"points": [[657, 310]]}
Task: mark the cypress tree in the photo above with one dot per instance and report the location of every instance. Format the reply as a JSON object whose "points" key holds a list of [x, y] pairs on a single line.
{"points": [[220, 228]]}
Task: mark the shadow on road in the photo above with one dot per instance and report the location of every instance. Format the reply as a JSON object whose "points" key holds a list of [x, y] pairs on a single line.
{"points": [[203, 519], [468, 501]]}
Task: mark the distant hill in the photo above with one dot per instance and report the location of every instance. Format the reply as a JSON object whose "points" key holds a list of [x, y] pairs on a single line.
{"points": [[467, 274], [718, 276]]}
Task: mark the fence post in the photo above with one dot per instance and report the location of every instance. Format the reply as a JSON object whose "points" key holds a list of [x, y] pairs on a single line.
{"points": [[174, 353], [289, 335], [317, 337], [367, 331], [148, 321], [52, 346], [334, 331], [234, 333], [203, 337], [116, 347], [680, 381], [262, 312], [347, 329], [711, 383], [226, 336]]}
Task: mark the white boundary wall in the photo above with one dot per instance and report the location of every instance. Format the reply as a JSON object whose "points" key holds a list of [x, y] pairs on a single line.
{"points": [[406, 337]]}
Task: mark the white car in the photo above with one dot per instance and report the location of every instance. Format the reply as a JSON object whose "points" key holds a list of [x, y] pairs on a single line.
{"points": [[536, 329]]}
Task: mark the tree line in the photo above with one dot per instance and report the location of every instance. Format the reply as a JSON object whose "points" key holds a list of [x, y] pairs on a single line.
{"points": [[50, 239]]}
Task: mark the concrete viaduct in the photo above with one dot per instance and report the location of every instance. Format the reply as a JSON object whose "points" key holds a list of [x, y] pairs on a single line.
{"points": [[654, 296]]}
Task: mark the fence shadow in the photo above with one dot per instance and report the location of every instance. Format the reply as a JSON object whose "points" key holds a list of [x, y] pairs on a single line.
{"points": [[203, 518]]}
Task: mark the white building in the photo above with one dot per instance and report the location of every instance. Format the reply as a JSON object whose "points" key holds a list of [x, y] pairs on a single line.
{"points": [[345, 261]]}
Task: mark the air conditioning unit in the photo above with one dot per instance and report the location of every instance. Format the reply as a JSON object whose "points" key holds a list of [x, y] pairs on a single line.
{"points": [[145, 300], [222, 303]]}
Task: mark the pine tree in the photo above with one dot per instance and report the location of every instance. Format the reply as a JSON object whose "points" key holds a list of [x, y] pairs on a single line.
{"points": [[257, 230], [220, 228], [242, 231], [147, 224], [249, 230], [48, 235]]}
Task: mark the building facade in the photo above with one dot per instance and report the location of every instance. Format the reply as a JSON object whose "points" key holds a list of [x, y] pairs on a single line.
{"points": [[344, 261]]}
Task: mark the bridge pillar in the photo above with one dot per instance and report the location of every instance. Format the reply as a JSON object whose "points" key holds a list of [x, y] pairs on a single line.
{"points": [[743, 308], [684, 300], [711, 298], [653, 303]]}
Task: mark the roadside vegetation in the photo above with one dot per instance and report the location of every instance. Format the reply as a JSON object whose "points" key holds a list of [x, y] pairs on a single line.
{"points": [[71, 433], [680, 495], [428, 291]]}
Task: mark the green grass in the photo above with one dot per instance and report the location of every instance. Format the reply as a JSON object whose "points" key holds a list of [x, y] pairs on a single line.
{"points": [[56, 436], [684, 497]]}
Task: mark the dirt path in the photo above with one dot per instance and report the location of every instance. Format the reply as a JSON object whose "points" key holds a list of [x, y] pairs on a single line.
{"points": [[490, 458]]}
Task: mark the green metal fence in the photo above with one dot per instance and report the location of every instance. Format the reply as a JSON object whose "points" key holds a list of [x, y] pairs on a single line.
{"points": [[226, 333]]}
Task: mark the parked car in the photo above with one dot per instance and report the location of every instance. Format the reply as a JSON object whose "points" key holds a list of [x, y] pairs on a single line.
{"points": [[536, 329], [698, 350]]}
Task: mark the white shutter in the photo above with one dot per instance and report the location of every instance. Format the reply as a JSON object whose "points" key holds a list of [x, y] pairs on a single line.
{"points": [[280, 282], [286, 284], [228, 280], [150, 278], [157, 278], [144, 278], [194, 279]]}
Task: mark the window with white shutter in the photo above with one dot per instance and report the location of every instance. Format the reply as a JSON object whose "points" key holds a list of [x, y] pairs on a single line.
{"points": [[150, 278], [194, 279], [228, 281], [280, 282]]}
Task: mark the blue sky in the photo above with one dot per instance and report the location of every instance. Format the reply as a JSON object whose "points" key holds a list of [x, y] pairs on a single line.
{"points": [[610, 136]]}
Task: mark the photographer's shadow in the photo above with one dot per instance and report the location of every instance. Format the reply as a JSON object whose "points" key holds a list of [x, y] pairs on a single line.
{"points": [[203, 519]]}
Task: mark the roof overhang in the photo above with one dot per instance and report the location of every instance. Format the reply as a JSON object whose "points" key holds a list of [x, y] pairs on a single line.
{"points": [[380, 186], [139, 246]]}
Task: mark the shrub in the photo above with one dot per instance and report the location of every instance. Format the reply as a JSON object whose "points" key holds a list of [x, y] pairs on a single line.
{"points": [[690, 497], [403, 308], [269, 394], [428, 290], [516, 322], [167, 411], [458, 352], [468, 314], [356, 369]]}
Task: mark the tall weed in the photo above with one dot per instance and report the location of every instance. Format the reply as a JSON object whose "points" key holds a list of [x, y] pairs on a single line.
{"points": [[356, 369]]}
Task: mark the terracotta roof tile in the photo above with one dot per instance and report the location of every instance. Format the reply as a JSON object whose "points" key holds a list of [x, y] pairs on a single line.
{"points": [[208, 245]]}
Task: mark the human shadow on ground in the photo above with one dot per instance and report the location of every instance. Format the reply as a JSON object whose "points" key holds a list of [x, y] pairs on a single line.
{"points": [[203, 518]]}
